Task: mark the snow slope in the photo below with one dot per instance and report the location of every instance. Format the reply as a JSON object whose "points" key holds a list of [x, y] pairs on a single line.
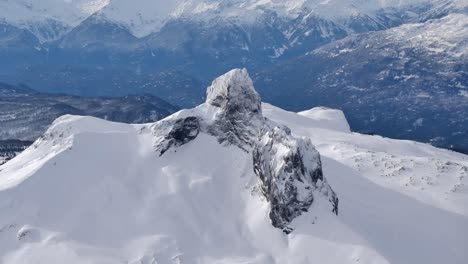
{"points": [[93, 191]]}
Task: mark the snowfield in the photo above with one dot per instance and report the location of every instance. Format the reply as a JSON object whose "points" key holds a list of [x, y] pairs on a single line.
{"points": [[93, 191]]}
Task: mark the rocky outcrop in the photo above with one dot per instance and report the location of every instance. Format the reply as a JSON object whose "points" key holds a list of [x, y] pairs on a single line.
{"points": [[179, 132], [289, 169], [238, 118], [290, 175]]}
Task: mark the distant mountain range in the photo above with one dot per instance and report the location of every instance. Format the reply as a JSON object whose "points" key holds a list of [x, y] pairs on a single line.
{"points": [[50, 20], [198, 38], [172, 49], [409, 82]]}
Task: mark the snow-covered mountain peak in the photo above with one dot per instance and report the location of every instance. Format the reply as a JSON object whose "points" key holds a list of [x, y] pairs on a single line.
{"points": [[236, 114], [141, 17], [93, 191], [48, 19], [234, 91], [89, 6]]}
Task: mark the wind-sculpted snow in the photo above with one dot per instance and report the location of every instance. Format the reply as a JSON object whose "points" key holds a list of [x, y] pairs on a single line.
{"points": [[290, 172]]}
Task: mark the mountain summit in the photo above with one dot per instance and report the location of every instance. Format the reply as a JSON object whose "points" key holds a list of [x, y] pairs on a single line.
{"points": [[289, 169], [239, 116], [234, 92]]}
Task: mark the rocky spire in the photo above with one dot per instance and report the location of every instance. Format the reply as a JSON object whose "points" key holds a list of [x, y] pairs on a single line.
{"points": [[290, 173], [239, 116], [289, 169], [234, 91]]}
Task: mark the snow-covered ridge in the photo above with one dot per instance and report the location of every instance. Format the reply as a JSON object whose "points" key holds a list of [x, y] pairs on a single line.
{"points": [[92, 191]]}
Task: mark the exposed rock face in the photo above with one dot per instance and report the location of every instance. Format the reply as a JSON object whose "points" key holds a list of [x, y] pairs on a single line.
{"points": [[239, 117], [290, 172], [289, 169], [180, 132]]}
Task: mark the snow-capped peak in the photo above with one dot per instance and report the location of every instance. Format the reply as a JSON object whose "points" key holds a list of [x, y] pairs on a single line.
{"points": [[238, 115], [89, 6], [48, 19], [141, 17], [234, 90], [93, 191], [68, 12]]}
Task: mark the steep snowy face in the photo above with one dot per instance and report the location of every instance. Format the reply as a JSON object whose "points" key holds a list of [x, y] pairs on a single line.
{"points": [[290, 172], [238, 116]]}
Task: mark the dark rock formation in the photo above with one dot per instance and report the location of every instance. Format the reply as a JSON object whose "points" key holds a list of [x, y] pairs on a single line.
{"points": [[239, 117], [289, 169], [290, 172], [181, 131]]}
